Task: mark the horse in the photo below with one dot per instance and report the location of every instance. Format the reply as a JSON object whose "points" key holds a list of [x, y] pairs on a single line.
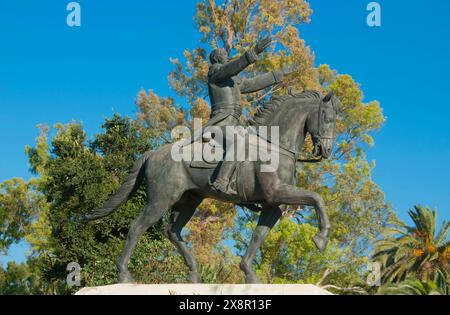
{"points": [[178, 187]]}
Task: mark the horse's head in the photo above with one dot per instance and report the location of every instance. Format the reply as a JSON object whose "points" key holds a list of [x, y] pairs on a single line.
{"points": [[321, 115], [321, 125]]}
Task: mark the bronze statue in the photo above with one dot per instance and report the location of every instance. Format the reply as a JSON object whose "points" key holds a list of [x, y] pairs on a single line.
{"points": [[179, 187], [225, 88]]}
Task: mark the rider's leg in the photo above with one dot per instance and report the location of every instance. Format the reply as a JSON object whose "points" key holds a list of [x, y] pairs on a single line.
{"points": [[226, 168], [222, 181]]}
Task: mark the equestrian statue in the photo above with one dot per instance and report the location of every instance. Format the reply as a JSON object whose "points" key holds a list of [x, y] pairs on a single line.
{"points": [[181, 186]]}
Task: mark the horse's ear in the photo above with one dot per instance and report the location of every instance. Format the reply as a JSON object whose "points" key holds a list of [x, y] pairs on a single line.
{"points": [[328, 97]]}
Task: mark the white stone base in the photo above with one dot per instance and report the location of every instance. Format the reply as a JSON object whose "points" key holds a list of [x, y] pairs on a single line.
{"points": [[205, 289]]}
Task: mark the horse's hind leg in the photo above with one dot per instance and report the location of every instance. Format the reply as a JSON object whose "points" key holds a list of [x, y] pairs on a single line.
{"points": [[182, 213], [267, 220], [150, 216]]}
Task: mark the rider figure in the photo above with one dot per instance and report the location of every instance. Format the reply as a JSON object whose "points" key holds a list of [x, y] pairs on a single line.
{"points": [[225, 89]]}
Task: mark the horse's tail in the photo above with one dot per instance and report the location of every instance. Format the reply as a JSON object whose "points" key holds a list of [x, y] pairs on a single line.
{"points": [[125, 192]]}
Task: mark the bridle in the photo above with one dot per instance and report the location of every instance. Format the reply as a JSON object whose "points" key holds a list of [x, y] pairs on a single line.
{"points": [[295, 155], [318, 139]]}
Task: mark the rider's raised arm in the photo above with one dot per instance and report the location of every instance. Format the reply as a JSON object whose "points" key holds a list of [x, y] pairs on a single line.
{"points": [[230, 69], [261, 82]]}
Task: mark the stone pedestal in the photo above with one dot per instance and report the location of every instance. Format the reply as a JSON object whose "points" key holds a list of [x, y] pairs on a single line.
{"points": [[205, 289]]}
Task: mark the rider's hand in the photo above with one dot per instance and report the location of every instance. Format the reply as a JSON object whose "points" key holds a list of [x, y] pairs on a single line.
{"points": [[262, 45]]}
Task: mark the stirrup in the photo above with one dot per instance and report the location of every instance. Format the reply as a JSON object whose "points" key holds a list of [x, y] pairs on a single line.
{"points": [[220, 185], [223, 186]]}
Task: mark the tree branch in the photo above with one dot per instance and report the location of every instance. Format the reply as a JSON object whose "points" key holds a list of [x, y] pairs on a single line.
{"points": [[327, 272]]}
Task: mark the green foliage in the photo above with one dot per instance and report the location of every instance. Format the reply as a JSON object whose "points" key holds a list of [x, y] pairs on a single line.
{"points": [[18, 207], [81, 176], [220, 272], [290, 256], [157, 117], [420, 251], [26, 279], [413, 286], [17, 279], [76, 176]]}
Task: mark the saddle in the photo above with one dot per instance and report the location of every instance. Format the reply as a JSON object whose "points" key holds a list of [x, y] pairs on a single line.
{"points": [[208, 155], [199, 160], [256, 149]]}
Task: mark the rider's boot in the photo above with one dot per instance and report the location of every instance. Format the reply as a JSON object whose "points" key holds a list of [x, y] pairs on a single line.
{"points": [[222, 182]]}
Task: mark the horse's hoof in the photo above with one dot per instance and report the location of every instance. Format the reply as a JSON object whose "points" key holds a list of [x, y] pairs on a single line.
{"points": [[320, 242], [195, 277], [125, 277]]}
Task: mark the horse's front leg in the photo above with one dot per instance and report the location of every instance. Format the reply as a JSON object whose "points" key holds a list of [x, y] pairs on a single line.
{"points": [[267, 220], [279, 193]]}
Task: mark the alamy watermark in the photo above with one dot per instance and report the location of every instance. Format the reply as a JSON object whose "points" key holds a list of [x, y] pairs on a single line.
{"points": [[74, 16], [374, 17], [74, 277], [374, 276]]}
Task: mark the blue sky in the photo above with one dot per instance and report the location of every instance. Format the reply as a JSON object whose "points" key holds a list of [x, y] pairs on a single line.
{"points": [[52, 73]]}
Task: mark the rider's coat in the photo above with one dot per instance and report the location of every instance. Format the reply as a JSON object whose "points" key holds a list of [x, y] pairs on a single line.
{"points": [[225, 88]]}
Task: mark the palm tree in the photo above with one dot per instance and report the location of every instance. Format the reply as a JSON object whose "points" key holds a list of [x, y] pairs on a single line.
{"points": [[417, 251], [413, 286]]}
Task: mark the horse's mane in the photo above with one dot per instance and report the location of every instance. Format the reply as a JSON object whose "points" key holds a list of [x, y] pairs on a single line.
{"points": [[264, 113]]}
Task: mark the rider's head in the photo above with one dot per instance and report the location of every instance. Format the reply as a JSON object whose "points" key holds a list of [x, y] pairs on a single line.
{"points": [[218, 55]]}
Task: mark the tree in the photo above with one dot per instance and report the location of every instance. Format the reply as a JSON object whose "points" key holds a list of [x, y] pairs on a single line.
{"points": [[75, 176], [28, 279], [18, 204], [355, 203], [413, 286], [17, 279], [19, 200], [420, 251]]}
